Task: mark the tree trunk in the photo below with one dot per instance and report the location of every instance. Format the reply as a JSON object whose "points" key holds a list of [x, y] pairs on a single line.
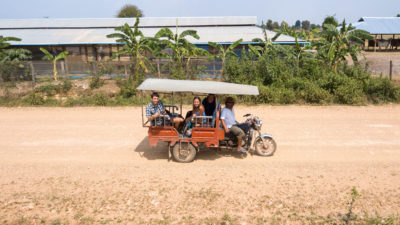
{"points": [[158, 68], [187, 68]]}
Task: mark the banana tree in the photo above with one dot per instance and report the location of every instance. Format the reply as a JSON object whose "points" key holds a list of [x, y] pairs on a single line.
{"points": [[298, 50], [178, 44], [135, 45], [336, 43], [223, 52], [54, 58], [190, 51], [265, 42]]}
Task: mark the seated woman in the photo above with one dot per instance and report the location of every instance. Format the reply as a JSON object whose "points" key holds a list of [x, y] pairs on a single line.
{"points": [[198, 110], [190, 119]]}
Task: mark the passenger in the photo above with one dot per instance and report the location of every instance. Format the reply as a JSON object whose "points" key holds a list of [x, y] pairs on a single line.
{"points": [[197, 110], [230, 125], [155, 109], [209, 104]]}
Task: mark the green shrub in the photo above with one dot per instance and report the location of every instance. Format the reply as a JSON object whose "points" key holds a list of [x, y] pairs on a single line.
{"points": [[127, 89], [48, 89], [96, 82], [82, 101], [34, 99], [381, 89], [350, 93], [276, 95], [66, 85], [312, 93], [100, 99]]}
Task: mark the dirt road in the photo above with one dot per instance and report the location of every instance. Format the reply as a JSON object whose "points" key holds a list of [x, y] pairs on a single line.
{"points": [[94, 166]]}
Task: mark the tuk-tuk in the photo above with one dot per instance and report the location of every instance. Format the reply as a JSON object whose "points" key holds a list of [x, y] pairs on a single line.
{"points": [[208, 131]]}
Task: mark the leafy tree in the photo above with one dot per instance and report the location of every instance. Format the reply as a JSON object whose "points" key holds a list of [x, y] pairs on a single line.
{"points": [[297, 25], [223, 52], [129, 10], [135, 45], [336, 44], [330, 20], [54, 59], [305, 24], [283, 24], [313, 26], [275, 25], [269, 25], [179, 46]]}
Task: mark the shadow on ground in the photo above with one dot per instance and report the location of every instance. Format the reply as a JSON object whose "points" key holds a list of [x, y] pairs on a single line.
{"points": [[161, 152]]}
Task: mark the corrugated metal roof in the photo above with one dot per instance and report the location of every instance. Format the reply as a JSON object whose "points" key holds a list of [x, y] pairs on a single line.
{"points": [[196, 86], [114, 22], [379, 25], [98, 36], [94, 31]]}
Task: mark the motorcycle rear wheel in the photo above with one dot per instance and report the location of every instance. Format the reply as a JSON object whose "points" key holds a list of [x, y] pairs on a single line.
{"points": [[270, 146]]}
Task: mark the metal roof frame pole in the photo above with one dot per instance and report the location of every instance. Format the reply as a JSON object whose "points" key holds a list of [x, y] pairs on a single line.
{"points": [[181, 102], [141, 103]]}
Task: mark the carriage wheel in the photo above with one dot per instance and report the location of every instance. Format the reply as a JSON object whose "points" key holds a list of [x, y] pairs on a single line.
{"points": [[184, 152]]}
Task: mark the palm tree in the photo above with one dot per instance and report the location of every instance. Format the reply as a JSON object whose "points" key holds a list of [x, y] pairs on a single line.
{"points": [[223, 52], [178, 44], [336, 43], [135, 44], [54, 59]]}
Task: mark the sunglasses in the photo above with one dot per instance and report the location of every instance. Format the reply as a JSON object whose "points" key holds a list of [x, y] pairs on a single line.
{"points": [[230, 102]]}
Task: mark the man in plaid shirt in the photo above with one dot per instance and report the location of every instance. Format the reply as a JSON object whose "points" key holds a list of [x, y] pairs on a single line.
{"points": [[154, 110]]}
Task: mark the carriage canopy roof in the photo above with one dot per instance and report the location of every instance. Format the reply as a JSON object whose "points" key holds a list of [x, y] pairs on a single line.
{"points": [[197, 86]]}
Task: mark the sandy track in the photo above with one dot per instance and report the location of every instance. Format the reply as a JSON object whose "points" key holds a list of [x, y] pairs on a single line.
{"points": [[93, 165]]}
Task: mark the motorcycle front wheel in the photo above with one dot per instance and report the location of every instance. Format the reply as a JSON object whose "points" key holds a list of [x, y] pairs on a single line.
{"points": [[269, 148]]}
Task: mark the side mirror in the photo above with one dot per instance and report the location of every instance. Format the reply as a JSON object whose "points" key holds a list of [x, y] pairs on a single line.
{"points": [[247, 115]]}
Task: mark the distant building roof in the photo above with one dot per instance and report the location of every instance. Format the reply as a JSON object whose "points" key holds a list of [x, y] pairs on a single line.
{"points": [[379, 25], [94, 31]]}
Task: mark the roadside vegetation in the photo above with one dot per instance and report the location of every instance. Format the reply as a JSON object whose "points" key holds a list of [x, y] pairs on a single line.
{"points": [[326, 71]]}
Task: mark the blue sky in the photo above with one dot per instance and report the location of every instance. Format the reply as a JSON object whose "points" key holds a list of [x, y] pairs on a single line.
{"points": [[287, 10]]}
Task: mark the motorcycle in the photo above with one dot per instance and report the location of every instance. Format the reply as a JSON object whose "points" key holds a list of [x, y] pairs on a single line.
{"points": [[264, 144]]}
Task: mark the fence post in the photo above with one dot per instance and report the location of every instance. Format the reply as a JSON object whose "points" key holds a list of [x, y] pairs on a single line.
{"points": [[390, 70], [33, 74], [158, 67]]}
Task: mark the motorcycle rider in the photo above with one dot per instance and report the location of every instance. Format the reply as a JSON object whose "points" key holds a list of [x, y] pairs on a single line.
{"points": [[230, 125]]}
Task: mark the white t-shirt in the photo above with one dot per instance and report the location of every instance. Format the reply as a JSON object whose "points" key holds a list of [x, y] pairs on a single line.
{"points": [[229, 117]]}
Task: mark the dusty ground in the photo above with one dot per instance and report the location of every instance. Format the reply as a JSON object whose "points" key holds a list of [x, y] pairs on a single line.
{"points": [[93, 165], [379, 63]]}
